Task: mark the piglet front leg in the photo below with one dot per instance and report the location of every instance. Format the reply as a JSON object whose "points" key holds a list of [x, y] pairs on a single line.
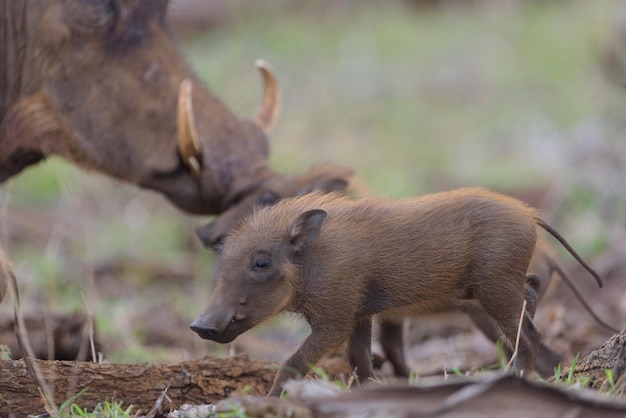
{"points": [[360, 349], [323, 338]]}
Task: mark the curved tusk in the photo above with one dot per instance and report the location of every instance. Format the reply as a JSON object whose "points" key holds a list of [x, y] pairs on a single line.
{"points": [[269, 111], [188, 144]]}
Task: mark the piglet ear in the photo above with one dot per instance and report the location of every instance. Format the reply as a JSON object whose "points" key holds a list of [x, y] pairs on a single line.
{"points": [[306, 228]]}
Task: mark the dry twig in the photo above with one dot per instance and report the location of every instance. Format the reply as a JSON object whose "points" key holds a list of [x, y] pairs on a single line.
{"points": [[519, 333]]}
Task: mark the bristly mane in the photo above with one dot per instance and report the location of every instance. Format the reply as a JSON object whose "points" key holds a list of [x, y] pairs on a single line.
{"points": [[13, 41]]}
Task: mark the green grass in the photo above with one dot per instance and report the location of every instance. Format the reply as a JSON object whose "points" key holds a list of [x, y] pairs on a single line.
{"points": [[102, 410], [611, 382], [107, 409], [322, 375]]}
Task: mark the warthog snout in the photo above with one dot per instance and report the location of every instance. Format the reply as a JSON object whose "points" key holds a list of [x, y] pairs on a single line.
{"points": [[221, 325], [206, 333]]}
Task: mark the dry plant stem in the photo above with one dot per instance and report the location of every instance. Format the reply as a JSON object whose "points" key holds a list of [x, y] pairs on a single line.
{"points": [[519, 333], [89, 330], [49, 332], [89, 295], [3, 213], [25, 346], [351, 380], [159, 402]]}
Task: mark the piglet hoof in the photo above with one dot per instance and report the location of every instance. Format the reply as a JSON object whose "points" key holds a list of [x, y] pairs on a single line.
{"points": [[378, 361]]}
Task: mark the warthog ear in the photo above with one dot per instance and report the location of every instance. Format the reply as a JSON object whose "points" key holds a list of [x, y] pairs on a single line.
{"points": [[306, 228]]}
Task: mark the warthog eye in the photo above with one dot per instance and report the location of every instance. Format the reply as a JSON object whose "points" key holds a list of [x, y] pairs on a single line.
{"points": [[262, 264], [91, 16]]}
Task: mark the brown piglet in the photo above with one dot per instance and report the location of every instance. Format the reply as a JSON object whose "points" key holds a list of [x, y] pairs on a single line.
{"points": [[338, 261]]}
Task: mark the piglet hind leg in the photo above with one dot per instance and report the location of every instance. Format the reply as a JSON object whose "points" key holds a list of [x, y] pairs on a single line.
{"points": [[487, 325], [505, 309], [321, 340], [528, 347], [546, 360]]}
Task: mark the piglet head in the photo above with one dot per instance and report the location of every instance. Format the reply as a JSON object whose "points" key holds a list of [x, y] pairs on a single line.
{"points": [[257, 275]]}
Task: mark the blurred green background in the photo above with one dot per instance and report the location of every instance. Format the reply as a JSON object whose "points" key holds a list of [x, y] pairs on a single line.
{"points": [[526, 97]]}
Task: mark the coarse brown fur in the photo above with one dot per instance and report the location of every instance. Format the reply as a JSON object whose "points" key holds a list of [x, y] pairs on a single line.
{"points": [[338, 261], [97, 83]]}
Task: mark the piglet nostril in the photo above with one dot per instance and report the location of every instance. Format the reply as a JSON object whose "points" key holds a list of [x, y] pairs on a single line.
{"points": [[204, 332]]}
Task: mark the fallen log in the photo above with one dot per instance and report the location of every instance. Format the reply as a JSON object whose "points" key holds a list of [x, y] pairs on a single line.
{"points": [[605, 367], [206, 380]]}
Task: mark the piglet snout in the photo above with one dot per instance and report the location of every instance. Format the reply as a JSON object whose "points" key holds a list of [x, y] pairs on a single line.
{"points": [[215, 324], [206, 333]]}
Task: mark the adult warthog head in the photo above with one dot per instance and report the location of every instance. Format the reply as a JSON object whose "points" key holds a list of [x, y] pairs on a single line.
{"points": [[98, 82]]}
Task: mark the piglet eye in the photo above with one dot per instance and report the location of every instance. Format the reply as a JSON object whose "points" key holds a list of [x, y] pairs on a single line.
{"points": [[262, 263]]}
